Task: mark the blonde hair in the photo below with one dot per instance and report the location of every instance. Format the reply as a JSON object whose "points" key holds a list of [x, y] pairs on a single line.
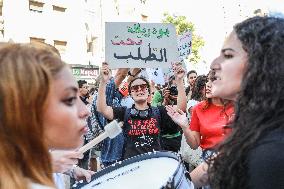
{"points": [[26, 72]]}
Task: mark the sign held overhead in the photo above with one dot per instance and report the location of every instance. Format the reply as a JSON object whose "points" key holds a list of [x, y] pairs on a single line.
{"points": [[140, 45]]}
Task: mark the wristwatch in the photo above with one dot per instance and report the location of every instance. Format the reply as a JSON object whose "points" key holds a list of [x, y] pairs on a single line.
{"points": [[129, 73]]}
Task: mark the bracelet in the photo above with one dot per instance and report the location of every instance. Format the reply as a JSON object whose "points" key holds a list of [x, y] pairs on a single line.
{"points": [[129, 73]]}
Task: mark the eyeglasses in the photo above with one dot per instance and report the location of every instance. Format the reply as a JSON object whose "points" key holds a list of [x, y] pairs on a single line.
{"points": [[135, 88]]}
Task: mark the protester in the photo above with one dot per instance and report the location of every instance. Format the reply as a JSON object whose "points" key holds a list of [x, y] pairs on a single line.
{"points": [[142, 123], [191, 77], [250, 70], [207, 127], [111, 149], [157, 99], [192, 157], [198, 93], [208, 120], [39, 102], [172, 135], [83, 91], [198, 90], [132, 74]]}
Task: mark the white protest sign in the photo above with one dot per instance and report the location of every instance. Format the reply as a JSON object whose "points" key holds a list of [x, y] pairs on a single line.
{"points": [[184, 45], [156, 75], [140, 45], [184, 49], [168, 72]]}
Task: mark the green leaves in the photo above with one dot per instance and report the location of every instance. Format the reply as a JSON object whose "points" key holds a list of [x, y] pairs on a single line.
{"points": [[182, 25]]}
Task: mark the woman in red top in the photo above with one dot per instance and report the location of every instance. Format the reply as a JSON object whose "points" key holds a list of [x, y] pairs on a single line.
{"points": [[208, 121]]}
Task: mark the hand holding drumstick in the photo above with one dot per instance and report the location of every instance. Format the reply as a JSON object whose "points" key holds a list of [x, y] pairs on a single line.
{"points": [[111, 130]]}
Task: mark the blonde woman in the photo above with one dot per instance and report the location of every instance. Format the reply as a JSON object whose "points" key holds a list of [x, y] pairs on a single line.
{"points": [[39, 110]]}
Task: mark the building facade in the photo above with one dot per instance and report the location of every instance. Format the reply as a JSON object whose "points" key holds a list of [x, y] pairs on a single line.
{"points": [[75, 28]]}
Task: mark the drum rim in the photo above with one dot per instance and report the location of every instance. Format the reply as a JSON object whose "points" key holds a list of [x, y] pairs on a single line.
{"points": [[134, 159]]}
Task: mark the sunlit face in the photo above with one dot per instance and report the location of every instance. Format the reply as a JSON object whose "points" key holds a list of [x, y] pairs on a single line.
{"points": [[191, 78], [229, 68], [139, 90], [65, 116], [208, 90]]}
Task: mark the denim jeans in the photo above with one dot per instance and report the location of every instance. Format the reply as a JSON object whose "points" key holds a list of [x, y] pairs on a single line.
{"points": [[206, 154]]}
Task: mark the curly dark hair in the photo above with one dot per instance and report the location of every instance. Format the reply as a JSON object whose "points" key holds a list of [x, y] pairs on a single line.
{"points": [[260, 104], [199, 85], [190, 72]]}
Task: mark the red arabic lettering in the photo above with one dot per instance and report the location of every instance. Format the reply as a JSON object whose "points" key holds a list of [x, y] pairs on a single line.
{"points": [[139, 127]]}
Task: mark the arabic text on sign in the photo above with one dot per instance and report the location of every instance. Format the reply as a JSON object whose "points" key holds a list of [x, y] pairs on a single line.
{"points": [[147, 32], [129, 41], [151, 56]]}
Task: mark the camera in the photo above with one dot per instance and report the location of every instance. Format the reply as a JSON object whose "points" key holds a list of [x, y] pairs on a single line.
{"points": [[173, 90]]}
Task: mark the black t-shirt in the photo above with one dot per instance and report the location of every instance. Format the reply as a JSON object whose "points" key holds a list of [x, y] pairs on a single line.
{"points": [[169, 127], [142, 135], [266, 162]]}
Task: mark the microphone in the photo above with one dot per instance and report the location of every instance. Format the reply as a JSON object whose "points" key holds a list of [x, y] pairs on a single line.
{"points": [[111, 130]]}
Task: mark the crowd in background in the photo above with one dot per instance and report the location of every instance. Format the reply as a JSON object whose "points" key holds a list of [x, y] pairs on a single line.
{"points": [[208, 110], [227, 125]]}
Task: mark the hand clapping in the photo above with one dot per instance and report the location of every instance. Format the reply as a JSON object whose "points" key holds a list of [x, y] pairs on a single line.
{"points": [[178, 116]]}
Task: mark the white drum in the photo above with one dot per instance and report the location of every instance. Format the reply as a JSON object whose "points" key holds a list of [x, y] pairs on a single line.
{"points": [[152, 171]]}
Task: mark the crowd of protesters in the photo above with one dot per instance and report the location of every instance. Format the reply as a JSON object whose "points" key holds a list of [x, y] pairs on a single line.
{"points": [[230, 120]]}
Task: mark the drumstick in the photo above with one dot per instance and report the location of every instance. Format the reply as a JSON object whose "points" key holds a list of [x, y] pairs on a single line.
{"points": [[111, 130]]}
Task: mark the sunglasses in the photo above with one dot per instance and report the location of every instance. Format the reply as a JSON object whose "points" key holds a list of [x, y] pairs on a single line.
{"points": [[136, 87]]}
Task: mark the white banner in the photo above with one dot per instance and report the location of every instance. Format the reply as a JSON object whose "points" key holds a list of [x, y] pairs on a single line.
{"points": [[140, 45], [184, 45], [156, 75]]}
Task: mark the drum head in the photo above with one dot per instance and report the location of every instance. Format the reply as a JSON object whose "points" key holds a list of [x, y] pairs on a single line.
{"points": [[151, 171]]}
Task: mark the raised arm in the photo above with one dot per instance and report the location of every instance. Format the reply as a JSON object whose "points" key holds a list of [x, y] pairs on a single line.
{"points": [[102, 106], [179, 75]]}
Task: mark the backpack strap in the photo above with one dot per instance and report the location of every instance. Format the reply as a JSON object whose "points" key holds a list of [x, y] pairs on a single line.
{"points": [[125, 120], [127, 115], [157, 113]]}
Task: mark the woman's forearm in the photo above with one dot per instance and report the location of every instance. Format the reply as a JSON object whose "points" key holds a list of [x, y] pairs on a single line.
{"points": [[181, 100], [190, 138], [101, 101]]}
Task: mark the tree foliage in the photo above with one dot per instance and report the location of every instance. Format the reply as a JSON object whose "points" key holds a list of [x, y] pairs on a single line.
{"points": [[182, 25]]}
